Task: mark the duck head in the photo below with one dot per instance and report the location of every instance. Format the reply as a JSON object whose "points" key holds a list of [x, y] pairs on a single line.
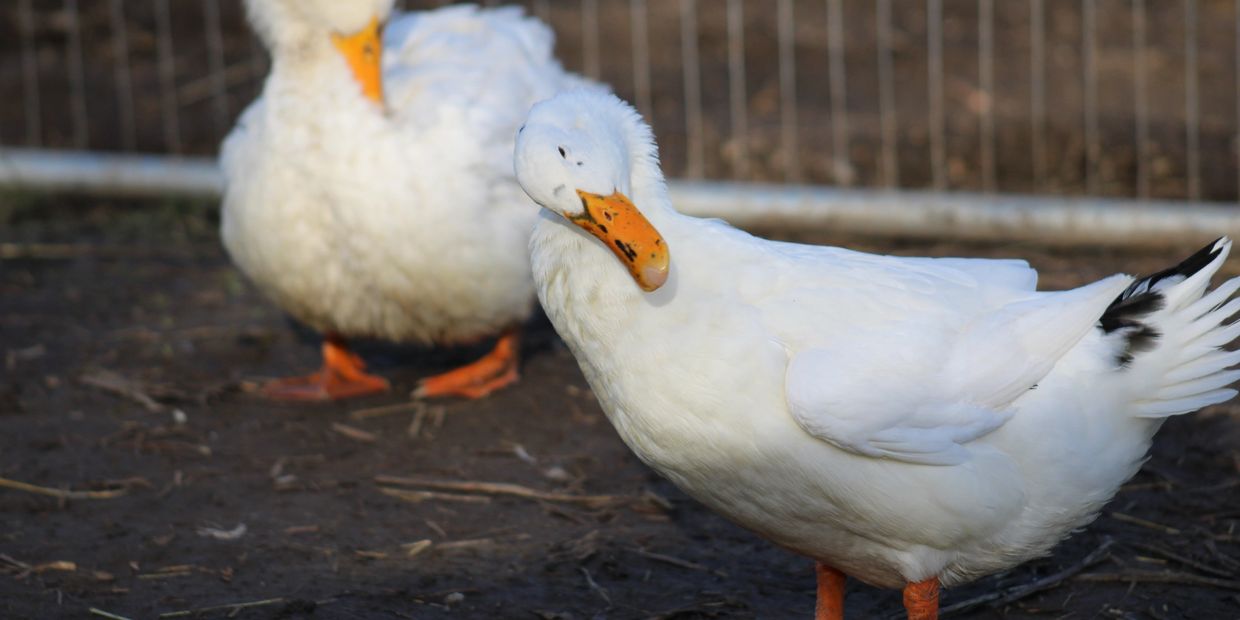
{"points": [[577, 155], [354, 28]]}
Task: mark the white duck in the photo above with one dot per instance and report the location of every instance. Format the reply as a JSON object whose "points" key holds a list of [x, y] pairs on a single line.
{"points": [[370, 189], [910, 422]]}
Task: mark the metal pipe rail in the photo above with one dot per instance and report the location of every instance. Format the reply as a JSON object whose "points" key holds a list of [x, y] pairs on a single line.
{"points": [[1057, 220], [47, 170]]}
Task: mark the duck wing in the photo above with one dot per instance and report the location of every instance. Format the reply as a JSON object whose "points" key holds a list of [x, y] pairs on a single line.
{"points": [[919, 360]]}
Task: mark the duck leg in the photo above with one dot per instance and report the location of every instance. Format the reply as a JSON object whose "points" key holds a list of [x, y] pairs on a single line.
{"points": [[921, 599], [830, 593], [343, 375], [493, 371]]}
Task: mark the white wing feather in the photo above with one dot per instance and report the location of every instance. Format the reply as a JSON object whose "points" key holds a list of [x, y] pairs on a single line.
{"points": [[919, 391]]}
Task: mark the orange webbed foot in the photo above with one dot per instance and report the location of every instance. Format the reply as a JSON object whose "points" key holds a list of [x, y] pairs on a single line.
{"points": [[493, 371], [343, 376]]}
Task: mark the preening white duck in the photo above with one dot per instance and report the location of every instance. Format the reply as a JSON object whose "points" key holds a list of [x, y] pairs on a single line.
{"points": [[370, 190], [910, 422]]}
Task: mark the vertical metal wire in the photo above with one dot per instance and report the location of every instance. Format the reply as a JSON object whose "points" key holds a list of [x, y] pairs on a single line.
{"points": [[788, 90], [215, 65], [122, 76], [1037, 91], [30, 76], [693, 87], [1192, 109], [542, 10], [167, 77], [842, 168], [590, 36], [938, 119], [77, 76], [1089, 53], [887, 97], [641, 58], [1140, 94], [986, 80], [258, 57], [737, 86], [1094, 20]]}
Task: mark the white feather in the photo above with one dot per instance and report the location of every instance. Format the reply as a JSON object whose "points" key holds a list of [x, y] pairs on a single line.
{"points": [[896, 418], [1198, 386], [1214, 299], [1202, 365], [401, 222], [1166, 408]]}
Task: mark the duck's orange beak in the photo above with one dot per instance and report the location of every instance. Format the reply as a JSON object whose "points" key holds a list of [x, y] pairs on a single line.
{"points": [[616, 221], [364, 52]]}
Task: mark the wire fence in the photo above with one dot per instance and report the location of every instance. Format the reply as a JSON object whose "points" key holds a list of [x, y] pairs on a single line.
{"points": [[1113, 98]]}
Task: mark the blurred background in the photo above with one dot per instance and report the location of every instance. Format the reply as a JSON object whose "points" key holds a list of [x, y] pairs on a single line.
{"points": [[1112, 98]]}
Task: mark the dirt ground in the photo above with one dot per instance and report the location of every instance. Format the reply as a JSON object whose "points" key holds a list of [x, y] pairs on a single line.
{"points": [[127, 344]]}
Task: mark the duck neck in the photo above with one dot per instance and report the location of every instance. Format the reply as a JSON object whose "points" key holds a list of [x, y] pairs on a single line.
{"points": [[588, 294], [308, 76], [650, 195]]}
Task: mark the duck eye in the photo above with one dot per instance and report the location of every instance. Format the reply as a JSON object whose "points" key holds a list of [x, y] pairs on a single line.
{"points": [[563, 153]]}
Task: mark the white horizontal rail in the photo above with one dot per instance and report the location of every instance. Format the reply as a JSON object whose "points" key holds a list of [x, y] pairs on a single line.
{"points": [[749, 205], [960, 215], [108, 173]]}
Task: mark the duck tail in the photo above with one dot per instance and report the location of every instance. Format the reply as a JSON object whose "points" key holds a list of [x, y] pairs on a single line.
{"points": [[1170, 334]]}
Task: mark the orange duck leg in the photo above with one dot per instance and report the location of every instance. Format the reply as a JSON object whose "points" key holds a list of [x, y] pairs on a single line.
{"points": [[493, 371], [921, 599], [830, 593], [343, 375]]}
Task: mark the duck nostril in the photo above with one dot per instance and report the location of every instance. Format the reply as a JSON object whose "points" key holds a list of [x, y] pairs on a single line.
{"points": [[563, 153]]}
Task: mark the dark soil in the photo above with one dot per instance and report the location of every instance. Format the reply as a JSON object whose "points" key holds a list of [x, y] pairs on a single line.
{"points": [[144, 292]]}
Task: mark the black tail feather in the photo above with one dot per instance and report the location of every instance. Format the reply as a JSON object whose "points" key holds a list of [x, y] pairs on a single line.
{"points": [[1141, 299]]}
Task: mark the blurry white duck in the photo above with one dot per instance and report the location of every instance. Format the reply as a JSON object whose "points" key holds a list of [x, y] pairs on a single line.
{"points": [[910, 422], [370, 189]]}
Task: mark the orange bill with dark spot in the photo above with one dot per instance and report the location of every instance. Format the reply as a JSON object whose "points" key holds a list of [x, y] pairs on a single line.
{"points": [[616, 221], [364, 52]]}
